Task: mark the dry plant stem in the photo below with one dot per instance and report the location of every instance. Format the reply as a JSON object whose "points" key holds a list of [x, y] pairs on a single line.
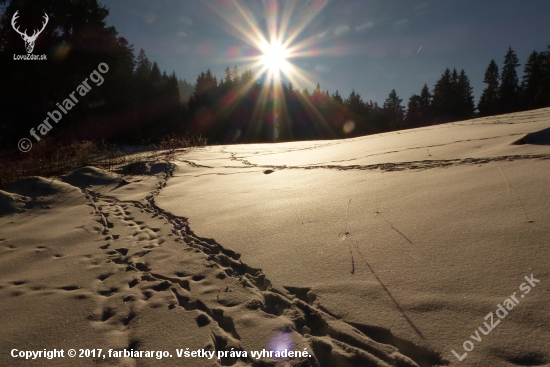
{"points": [[389, 293], [346, 233], [346, 227], [395, 229], [352, 260], [515, 193]]}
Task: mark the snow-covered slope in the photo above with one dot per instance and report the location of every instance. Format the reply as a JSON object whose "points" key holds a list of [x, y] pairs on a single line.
{"points": [[387, 250], [422, 232]]}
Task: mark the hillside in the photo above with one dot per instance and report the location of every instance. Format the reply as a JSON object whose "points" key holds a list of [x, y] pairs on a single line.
{"points": [[382, 250]]}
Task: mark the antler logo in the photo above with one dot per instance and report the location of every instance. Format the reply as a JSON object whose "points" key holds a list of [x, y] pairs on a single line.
{"points": [[29, 40]]}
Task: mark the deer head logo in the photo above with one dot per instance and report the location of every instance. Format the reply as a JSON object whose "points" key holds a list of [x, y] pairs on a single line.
{"points": [[29, 40]]}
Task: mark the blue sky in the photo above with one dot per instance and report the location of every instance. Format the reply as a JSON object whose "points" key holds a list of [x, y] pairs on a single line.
{"points": [[371, 46]]}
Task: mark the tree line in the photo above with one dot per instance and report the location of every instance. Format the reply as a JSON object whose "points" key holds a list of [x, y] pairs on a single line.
{"points": [[138, 102], [224, 110]]}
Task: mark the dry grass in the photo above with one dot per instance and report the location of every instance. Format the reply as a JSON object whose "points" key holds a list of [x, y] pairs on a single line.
{"points": [[51, 158], [173, 144]]}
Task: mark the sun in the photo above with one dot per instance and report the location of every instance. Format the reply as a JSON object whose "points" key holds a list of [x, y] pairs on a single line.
{"points": [[274, 57]]}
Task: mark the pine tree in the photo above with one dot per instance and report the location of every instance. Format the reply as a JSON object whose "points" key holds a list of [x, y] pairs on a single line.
{"points": [[425, 107], [508, 92], [412, 118], [170, 113], [227, 78], [337, 97], [534, 91], [466, 97], [336, 113], [355, 103], [248, 76], [442, 101], [489, 101], [202, 104], [206, 82], [290, 88], [393, 109], [545, 57], [143, 66], [317, 98], [235, 74], [356, 111]]}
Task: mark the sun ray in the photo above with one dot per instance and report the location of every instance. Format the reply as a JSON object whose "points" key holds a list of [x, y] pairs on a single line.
{"points": [[285, 21], [303, 24], [274, 49]]}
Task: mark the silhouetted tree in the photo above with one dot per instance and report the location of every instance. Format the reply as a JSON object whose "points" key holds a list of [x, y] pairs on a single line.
{"points": [[425, 110], [247, 77], [337, 97], [508, 93], [202, 104], [534, 93], [412, 118], [228, 79], [453, 97], [318, 97], [443, 100], [336, 114], [235, 75], [489, 101], [466, 106], [76, 40], [395, 112]]}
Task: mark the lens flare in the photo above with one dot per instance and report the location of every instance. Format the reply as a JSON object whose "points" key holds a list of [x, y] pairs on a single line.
{"points": [[280, 342], [274, 57], [268, 50], [277, 44], [349, 126]]}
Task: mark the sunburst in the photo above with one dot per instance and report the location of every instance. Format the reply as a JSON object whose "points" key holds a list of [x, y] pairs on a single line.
{"points": [[274, 48], [274, 57]]}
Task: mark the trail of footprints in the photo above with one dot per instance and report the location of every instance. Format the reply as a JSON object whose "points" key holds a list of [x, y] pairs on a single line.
{"points": [[134, 234], [399, 166]]}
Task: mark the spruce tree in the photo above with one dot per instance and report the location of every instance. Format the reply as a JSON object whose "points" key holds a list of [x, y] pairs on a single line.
{"points": [[412, 118], [489, 101], [393, 109], [442, 101], [357, 112], [466, 97], [545, 92], [534, 91], [355, 103], [425, 107], [227, 79], [143, 66], [337, 97], [155, 76], [248, 76], [336, 114], [317, 98], [235, 74], [508, 92]]}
